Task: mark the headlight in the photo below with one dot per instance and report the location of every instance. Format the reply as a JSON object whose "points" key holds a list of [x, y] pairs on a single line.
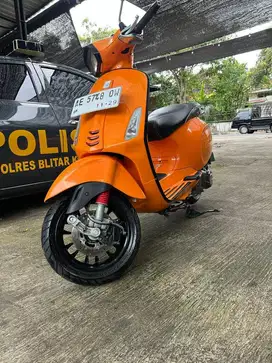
{"points": [[92, 59]]}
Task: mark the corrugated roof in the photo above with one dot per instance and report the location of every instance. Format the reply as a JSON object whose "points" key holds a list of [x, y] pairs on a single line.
{"points": [[260, 40], [178, 25], [183, 23], [7, 13], [53, 27], [44, 12]]}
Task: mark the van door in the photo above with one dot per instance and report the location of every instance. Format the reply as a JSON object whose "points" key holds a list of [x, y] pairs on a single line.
{"points": [[25, 119]]}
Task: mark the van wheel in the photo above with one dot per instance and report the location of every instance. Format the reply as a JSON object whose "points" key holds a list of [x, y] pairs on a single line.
{"points": [[271, 127], [251, 131], [89, 262], [243, 129]]}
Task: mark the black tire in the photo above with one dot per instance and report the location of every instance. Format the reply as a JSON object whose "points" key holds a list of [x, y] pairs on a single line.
{"points": [[271, 127], [81, 273], [251, 131], [243, 129]]}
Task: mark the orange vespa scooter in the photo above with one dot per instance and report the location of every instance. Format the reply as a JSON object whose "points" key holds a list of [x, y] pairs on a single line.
{"points": [[129, 162]]}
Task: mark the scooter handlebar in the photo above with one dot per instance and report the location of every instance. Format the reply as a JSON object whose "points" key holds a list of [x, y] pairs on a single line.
{"points": [[147, 17]]}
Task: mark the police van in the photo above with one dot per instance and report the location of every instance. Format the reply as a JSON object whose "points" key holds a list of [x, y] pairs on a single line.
{"points": [[36, 132]]}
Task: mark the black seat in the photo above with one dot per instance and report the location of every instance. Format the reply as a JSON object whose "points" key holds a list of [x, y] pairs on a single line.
{"points": [[164, 121]]}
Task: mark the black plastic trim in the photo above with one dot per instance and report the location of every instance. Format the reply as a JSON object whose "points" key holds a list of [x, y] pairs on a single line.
{"points": [[161, 175], [196, 176], [212, 158], [84, 193], [176, 192], [173, 191], [146, 142], [125, 51], [181, 190], [86, 51]]}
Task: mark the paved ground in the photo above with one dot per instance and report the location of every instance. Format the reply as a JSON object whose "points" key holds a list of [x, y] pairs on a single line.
{"points": [[200, 290]]}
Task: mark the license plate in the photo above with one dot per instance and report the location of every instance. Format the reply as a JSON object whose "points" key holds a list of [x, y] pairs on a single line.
{"points": [[97, 101]]}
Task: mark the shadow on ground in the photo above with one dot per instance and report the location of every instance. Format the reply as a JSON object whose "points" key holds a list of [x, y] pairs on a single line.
{"points": [[16, 206]]}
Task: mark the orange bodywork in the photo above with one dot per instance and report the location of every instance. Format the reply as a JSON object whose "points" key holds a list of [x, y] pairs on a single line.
{"points": [[109, 129], [115, 53], [182, 154], [99, 168], [131, 165]]}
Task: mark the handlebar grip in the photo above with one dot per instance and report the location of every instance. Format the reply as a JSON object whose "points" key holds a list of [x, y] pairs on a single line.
{"points": [[146, 18]]}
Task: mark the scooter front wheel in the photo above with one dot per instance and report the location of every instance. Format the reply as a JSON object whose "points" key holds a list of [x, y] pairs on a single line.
{"points": [[84, 260]]}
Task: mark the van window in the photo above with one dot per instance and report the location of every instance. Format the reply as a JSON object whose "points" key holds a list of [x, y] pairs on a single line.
{"points": [[243, 115], [65, 87], [256, 112], [16, 84]]}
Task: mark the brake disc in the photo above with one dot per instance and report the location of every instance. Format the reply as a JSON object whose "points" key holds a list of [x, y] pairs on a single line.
{"points": [[88, 239]]}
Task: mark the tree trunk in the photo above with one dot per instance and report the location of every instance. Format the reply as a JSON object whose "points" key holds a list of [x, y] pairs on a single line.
{"points": [[180, 79]]}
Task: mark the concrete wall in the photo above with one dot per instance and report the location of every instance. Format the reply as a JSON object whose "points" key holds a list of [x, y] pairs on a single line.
{"points": [[220, 127]]}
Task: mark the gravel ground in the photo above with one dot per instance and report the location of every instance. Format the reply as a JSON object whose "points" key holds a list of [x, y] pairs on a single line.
{"points": [[200, 290]]}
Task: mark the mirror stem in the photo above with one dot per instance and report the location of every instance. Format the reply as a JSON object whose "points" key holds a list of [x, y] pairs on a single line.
{"points": [[121, 10]]}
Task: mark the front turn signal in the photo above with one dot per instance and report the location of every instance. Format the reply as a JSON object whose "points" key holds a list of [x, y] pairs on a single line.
{"points": [[134, 124]]}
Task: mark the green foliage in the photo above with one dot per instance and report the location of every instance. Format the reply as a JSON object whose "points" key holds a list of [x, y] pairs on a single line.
{"points": [[168, 92], [221, 85], [93, 33], [187, 82], [261, 75], [203, 96], [230, 82]]}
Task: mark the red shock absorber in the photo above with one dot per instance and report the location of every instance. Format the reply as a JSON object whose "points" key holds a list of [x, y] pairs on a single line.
{"points": [[103, 198]]}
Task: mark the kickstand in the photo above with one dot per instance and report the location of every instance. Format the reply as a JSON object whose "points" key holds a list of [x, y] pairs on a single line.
{"points": [[192, 213]]}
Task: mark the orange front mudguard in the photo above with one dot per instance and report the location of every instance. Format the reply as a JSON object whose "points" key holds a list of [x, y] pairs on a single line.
{"points": [[98, 169]]}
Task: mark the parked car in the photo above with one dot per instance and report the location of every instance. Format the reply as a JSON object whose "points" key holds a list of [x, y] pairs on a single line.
{"points": [[249, 120], [36, 138]]}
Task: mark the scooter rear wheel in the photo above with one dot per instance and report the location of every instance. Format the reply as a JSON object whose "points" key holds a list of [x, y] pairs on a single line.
{"points": [[68, 259]]}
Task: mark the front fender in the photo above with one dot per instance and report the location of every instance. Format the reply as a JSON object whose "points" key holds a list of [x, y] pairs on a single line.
{"points": [[100, 169]]}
